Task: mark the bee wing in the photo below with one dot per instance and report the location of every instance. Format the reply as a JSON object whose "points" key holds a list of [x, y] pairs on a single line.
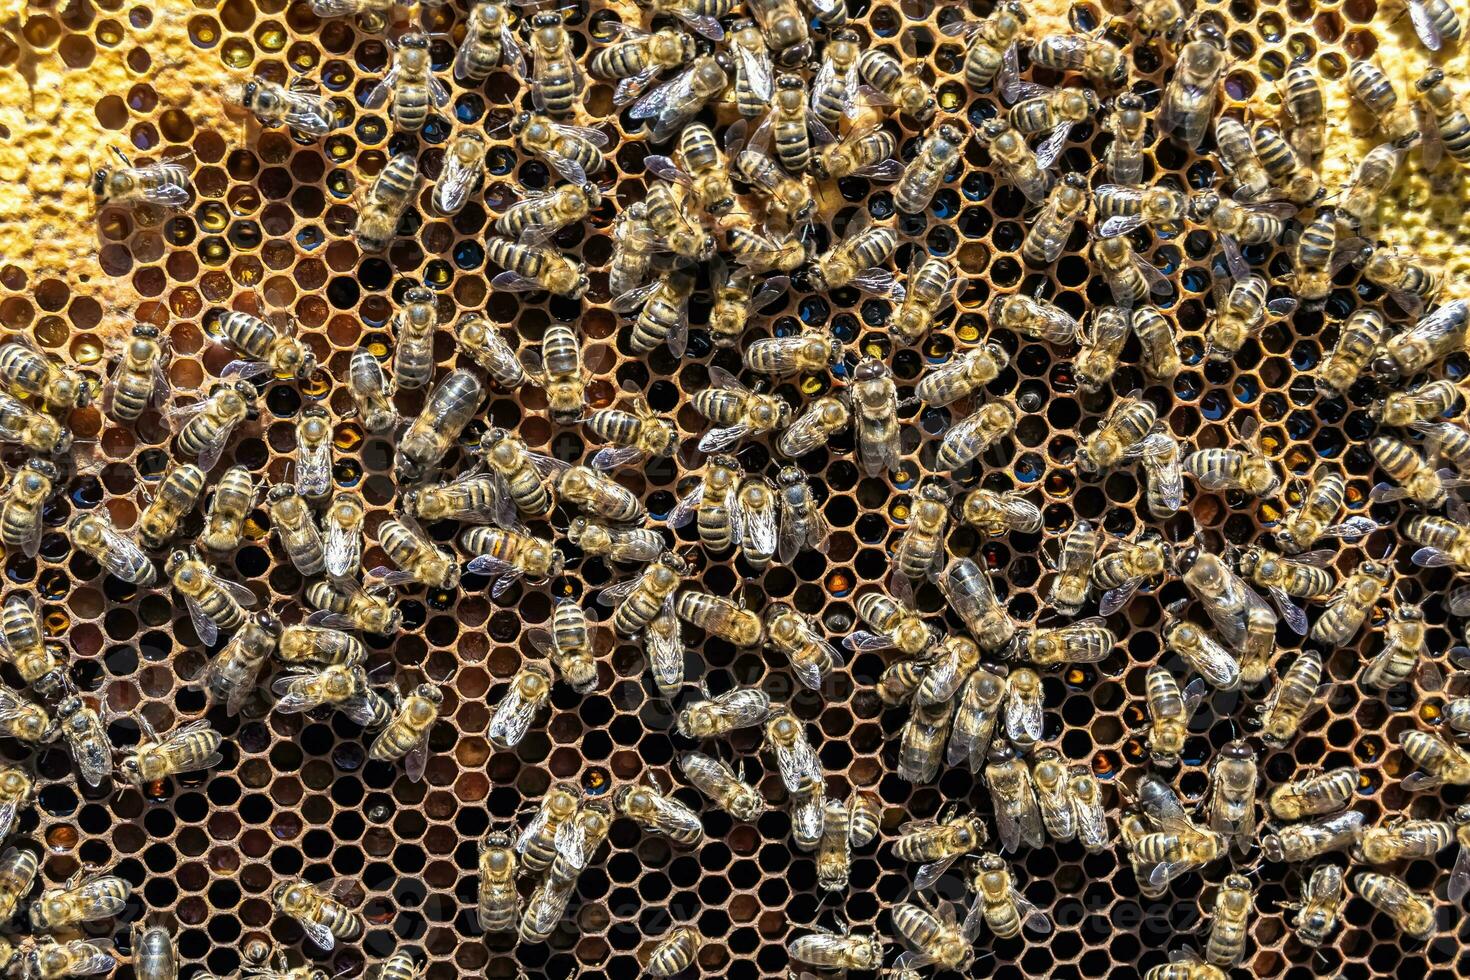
{"points": [[1031, 916], [715, 440], [91, 957], [566, 166], [687, 507], [238, 592], [571, 843], [1460, 875], [317, 933], [438, 91], [863, 640], [295, 694], [614, 594], [671, 94], [417, 760], [455, 184], [702, 23], [512, 282], [665, 649], [378, 97], [8, 811], [880, 282], [204, 627], [798, 765], [1115, 599], [1023, 717], [1194, 693], [342, 550], [630, 88], [512, 719], [1120, 225], [1290, 611], [678, 339], [314, 477], [1051, 147], [664, 168], [1431, 558], [612, 457], [1424, 25], [1157, 283], [359, 709], [309, 114], [757, 529], [931, 873]]}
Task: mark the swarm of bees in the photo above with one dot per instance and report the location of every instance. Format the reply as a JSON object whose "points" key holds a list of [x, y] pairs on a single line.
{"points": [[754, 116]]}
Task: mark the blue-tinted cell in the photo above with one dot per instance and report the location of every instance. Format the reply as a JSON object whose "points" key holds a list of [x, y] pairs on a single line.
{"points": [[310, 238], [1246, 389], [1029, 468], [436, 130], [469, 255], [469, 107], [813, 311], [977, 186], [1215, 406]]}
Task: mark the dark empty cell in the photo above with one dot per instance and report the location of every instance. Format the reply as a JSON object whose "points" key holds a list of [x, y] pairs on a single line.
{"points": [[160, 892]]}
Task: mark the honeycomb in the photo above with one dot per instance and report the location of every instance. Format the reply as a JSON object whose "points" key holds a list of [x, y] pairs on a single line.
{"points": [[269, 230]]}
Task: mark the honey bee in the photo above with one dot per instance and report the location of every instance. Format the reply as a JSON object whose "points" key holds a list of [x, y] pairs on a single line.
{"points": [[962, 376], [535, 845], [413, 327], [1290, 701], [1401, 839], [529, 692], [845, 950], [298, 533], [17, 790], [558, 370], [165, 183], [1128, 125], [569, 645], [633, 58], [346, 604], [1226, 598], [1435, 22], [1371, 87], [188, 748], [231, 676], [549, 210], [1130, 278], [418, 558], [1232, 799], [976, 713], [411, 83], [854, 261], [796, 760], [506, 555], [823, 418], [31, 429], [921, 745], [737, 411], [406, 735], [574, 152], [718, 781], [1053, 226], [1409, 280], [1357, 341], [638, 601], [82, 729], [340, 686], [1313, 795], [1240, 314], [1321, 905], [532, 263], [47, 959], [208, 424], [306, 643], [1049, 776], [138, 380], [1075, 559], [704, 172], [1177, 848], [1052, 111], [936, 157], [1086, 641], [298, 106], [1017, 812], [897, 625], [990, 43], [498, 905], [1349, 605], [1246, 469], [1445, 129], [1170, 711], [874, 397], [933, 938], [489, 41], [667, 108], [29, 373], [864, 151], [969, 437], [545, 908], [1085, 793], [214, 603], [449, 408], [371, 393], [1015, 160], [21, 506], [812, 657], [1373, 177], [675, 953], [999, 904], [1310, 521], [319, 909], [1122, 571], [802, 526], [1432, 337], [86, 897], [1443, 762], [658, 812], [1289, 174], [1034, 318], [897, 84], [23, 645], [480, 339], [640, 545], [768, 251], [1189, 100], [1404, 655], [719, 617], [391, 193], [177, 493], [1086, 54], [18, 869], [1413, 915]]}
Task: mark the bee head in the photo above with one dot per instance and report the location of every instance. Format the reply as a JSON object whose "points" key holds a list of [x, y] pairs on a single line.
{"points": [[414, 40], [247, 95], [1429, 79], [99, 182]]}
